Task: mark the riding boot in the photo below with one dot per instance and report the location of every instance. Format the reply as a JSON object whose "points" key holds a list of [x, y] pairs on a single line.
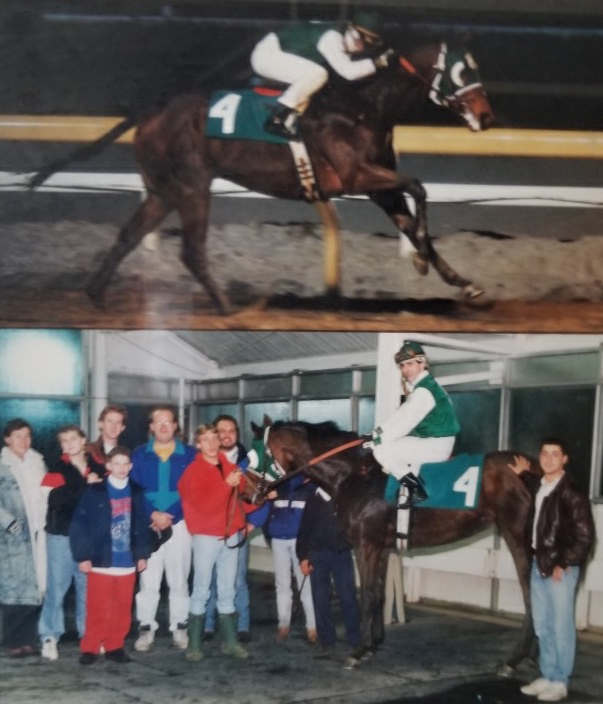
{"points": [[228, 629], [194, 651], [416, 490], [283, 122]]}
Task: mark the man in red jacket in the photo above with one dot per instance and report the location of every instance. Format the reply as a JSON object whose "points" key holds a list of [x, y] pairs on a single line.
{"points": [[208, 489]]}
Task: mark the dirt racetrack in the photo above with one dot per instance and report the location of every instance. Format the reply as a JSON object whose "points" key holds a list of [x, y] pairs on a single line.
{"points": [[274, 276]]}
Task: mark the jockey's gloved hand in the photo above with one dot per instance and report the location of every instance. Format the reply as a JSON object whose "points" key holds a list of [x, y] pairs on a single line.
{"points": [[384, 59]]}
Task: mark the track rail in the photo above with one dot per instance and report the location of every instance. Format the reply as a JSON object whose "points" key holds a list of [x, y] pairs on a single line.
{"points": [[407, 140]]}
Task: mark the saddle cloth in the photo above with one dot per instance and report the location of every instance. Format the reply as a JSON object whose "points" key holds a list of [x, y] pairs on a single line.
{"points": [[454, 484], [240, 114]]}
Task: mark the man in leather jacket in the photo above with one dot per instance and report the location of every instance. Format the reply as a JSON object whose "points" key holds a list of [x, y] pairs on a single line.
{"points": [[561, 537]]}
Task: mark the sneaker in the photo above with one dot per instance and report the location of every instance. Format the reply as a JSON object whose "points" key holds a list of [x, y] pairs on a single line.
{"points": [[145, 639], [554, 692], [180, 637], [88, 658], [535, 688], [117, 655], [49, 649]]}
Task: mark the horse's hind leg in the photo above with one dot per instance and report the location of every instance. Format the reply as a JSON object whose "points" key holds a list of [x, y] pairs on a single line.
{"points": [[146, 218], [194, 213]]}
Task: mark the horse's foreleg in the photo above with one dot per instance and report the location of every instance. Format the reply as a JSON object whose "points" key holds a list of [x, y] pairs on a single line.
{"points": [[370, 564], [394, 205], [146, 218], [194, 213]]}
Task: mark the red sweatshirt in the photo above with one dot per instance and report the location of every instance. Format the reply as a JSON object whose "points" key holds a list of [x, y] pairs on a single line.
{"points": [[208, 502]]}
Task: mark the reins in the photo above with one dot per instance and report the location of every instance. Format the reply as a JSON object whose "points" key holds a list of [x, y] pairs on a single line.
{"points": [[315, 460]]}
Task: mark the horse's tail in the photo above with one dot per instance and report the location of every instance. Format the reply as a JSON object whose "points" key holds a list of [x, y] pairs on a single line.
{"points": [[84, 152]]}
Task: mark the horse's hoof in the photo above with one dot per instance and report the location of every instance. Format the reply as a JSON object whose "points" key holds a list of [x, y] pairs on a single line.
{"points": [[420, 263], [475, 297], [506, 671], [471, 291], [351, 663]]}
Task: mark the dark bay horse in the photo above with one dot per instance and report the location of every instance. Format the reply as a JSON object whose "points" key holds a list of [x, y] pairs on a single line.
{"points": [[356, 483], [348, 131]]}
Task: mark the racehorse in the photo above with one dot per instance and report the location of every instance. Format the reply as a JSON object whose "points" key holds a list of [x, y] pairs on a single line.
{"points": [[347, 130], [335, 461]]}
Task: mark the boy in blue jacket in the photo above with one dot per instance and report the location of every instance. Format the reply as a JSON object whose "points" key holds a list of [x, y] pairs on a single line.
{"points": [[109, 537]]}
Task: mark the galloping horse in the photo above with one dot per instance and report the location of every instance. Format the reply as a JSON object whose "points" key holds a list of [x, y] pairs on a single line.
{"points": [[333, 459], [348, 133]]}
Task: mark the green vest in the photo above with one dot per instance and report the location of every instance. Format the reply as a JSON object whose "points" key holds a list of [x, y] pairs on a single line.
{"points": [[301, 40], [441, 421]]}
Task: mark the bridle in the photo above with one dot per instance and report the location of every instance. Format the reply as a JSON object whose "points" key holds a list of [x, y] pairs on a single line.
{"points": [[285, 476], [436, 94]]}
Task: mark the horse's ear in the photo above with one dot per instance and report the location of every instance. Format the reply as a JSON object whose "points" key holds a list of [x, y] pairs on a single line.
{"points": [[267, 420], [257, 431]]}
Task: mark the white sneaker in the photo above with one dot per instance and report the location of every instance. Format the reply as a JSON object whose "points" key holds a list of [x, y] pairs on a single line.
{"points": [[536, 687], [145, 640], [49, 649], [180, 638], [554, 692]]}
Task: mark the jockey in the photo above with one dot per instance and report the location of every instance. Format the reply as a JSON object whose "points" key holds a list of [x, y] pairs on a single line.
{"points": [[301, 56], [422, 429]]}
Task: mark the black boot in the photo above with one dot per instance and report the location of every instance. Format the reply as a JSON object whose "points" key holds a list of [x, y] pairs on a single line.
{"points": [[416, 490], [283, 122]]}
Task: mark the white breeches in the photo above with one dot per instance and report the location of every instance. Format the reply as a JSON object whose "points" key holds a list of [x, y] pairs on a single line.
{"points": [[174, 558], [303, 76], [407, 454]]}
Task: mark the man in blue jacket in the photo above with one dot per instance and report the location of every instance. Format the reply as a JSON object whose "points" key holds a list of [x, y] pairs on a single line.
{"points": [[157, 467]]}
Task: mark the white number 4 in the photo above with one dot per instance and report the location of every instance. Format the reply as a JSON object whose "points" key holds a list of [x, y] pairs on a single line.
{"points": [[226, 110], [467, 484]]}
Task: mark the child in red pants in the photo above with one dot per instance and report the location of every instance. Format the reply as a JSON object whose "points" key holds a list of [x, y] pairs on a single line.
{"points": [[109, 537]]}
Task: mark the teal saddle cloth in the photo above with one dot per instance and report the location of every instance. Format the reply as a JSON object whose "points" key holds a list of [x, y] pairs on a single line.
{"points": [[454, 484], [240, 114]]}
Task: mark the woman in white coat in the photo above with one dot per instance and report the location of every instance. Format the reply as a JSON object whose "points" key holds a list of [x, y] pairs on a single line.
{"points": [[22, 539]]}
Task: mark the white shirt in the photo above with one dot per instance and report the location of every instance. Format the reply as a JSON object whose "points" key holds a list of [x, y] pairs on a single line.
{"points": [[332, 47], [546, 488], [418, 404]]}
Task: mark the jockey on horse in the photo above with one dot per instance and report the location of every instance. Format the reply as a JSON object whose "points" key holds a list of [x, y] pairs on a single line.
{"points": [[422, 429], [301, 56]]}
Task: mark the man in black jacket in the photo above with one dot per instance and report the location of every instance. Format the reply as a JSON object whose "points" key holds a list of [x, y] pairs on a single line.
{"points": [[323, 552], [561, 537]]}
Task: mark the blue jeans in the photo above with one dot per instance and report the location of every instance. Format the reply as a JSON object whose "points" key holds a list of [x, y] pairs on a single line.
{"points": [[339, 565], [553, 606], [241, 601], [210, 551], [61, 570]]}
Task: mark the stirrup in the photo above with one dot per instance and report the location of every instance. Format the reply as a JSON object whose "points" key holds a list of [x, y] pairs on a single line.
{"points": [[279, 127]]}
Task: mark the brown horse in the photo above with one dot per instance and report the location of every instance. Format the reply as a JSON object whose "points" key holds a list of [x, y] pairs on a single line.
{"points": [[348, 133], [331, 458]]}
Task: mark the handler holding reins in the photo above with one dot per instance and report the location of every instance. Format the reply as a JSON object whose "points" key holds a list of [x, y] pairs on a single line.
{"points": [[422, 429]]}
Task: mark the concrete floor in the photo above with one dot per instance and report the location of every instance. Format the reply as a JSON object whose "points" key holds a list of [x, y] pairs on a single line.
{"points": [[438, 656]]}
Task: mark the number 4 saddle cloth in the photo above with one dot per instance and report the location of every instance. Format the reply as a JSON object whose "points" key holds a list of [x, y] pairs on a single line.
{"points": [[241, 114], [454, 484]]}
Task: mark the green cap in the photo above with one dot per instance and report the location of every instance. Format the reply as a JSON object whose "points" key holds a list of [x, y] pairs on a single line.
{"points": [[368, 24], [409, 350]]}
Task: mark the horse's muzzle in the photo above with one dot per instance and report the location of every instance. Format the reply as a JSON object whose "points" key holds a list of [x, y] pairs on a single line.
{"points": [[474, 108]]}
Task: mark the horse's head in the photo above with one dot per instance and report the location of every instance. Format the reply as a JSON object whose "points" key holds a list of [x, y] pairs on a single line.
{"points": [[320, 450], [453, 79], [457, 86]]}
